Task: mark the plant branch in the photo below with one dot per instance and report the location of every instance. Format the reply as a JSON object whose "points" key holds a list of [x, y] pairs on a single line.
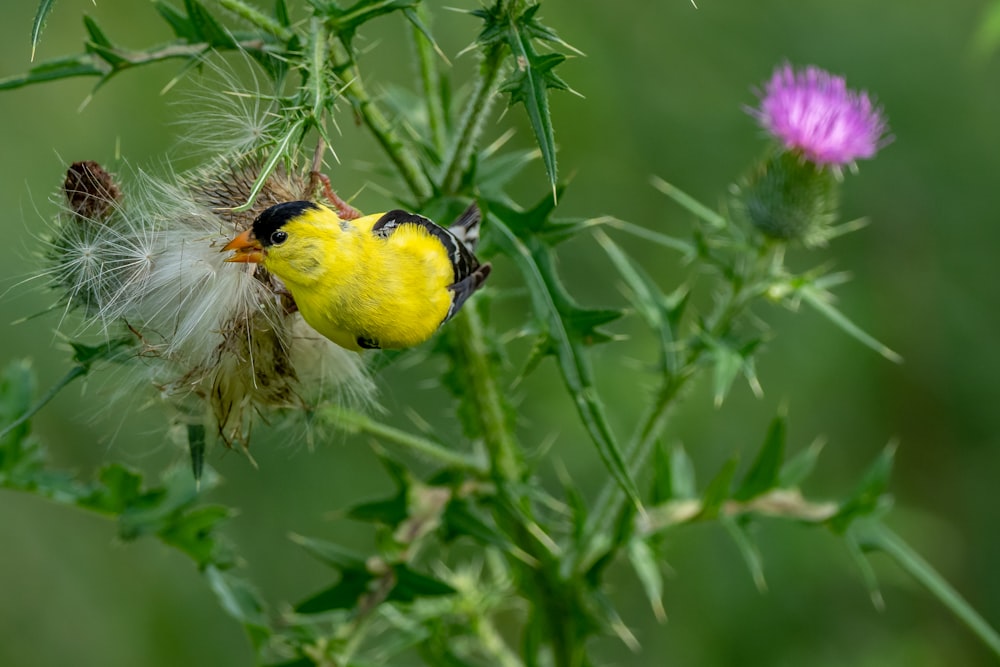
{"points": [[472, 120], [430, 83], [398, 152], [876, 537], [507, 465], [355, 422]]}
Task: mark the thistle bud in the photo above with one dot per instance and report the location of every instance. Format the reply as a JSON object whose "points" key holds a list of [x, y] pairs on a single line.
{"points": [[788, 198], [820, 127]]}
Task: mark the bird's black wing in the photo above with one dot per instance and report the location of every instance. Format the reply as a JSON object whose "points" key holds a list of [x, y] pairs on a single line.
{"points": [[470, 274]]}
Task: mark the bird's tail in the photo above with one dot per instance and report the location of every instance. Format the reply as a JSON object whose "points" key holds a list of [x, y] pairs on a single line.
{"points": [[466, 227]]}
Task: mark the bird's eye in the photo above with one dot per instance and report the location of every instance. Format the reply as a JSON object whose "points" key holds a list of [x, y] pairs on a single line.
{"points": [[278, 237]]}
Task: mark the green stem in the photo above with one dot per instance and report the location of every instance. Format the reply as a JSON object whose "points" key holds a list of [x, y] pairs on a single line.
{"points": [[879, 538], [72, 374], [472, 121], [743, 288], [355, 422], [469, 336], [383, 131], [430, 82], [257, 18]]}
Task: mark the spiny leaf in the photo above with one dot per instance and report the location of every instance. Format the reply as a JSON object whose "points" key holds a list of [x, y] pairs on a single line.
{"points": [[718, 490], [682, 475], [342, 595], [119, 489], [647, 568], [658, 310], [728, 362], [411, 584], [690, 203], [42, 13], [183, 27], [208, 29], [191, 533], [739, 531], [869, 495], [242, 602], [819, 301], [345, 22], [53, 70], [85, 355], [868, 575], [17, 388], [800, 466], [533, 76], [764, 473], [566, 338], [100, 44], [332, 554]]}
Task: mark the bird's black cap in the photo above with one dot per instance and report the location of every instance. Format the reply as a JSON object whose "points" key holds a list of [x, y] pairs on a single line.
{"points": [[275, 217]]}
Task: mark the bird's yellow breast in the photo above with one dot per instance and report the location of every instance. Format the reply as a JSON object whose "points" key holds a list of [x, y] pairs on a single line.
{"points": [[350, 284]]}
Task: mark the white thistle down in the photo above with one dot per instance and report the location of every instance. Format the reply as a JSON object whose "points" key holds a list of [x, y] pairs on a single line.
{"points": [[222, 340]]}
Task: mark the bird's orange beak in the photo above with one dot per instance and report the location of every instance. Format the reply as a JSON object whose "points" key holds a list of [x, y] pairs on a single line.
{"points": [[248, 249]]}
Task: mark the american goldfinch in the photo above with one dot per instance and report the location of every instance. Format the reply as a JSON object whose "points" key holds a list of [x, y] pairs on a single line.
{"points": [[386, 280]]}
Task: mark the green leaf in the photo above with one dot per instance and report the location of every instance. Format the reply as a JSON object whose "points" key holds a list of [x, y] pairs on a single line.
{"points": [[242, 602], [718, 490], [208, 29], [411, 585], [869, 496], [196, 449], [42, 13], [17, 389], [345, 22], [342, 595], [740, 532], [100, 44], [330, 553], [566, 337], [800, 466], [281, 13], [162, 507], [688, 202], [728, 362], [660, 312], [183, 27], [533, 76], [682, 475], [766, 469], [191, 532], [820, 301], [119, 489], [647, 568], [53, 70]]}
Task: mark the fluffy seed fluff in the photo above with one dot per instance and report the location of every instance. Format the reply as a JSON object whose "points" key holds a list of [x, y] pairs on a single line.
{"points": [[217, 341]]}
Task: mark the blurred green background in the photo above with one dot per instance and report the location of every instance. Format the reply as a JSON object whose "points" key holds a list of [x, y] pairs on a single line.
{"points": [[664, 84]]}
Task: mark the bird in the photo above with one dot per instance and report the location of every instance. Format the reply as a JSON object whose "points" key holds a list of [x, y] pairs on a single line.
{"points": [[387, 280]]}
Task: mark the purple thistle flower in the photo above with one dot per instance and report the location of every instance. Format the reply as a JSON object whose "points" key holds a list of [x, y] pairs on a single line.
{"points": [[814, 113]]}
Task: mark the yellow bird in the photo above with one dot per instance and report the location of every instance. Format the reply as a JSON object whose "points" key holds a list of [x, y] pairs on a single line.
{"points": [[387, 280]]}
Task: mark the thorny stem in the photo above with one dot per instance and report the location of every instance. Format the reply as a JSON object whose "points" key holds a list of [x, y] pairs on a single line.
{"points": [[359, 423], [475, 115], [468, 333], [876, 537], [611, 500], [554, 597], [430, 82], [383, 131]]}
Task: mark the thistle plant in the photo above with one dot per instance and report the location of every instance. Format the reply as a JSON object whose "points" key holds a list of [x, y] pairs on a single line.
{"points": [[475, 561]]}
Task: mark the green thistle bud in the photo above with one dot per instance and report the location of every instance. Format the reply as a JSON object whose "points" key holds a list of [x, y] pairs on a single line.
{"points": [[788, 199]]}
